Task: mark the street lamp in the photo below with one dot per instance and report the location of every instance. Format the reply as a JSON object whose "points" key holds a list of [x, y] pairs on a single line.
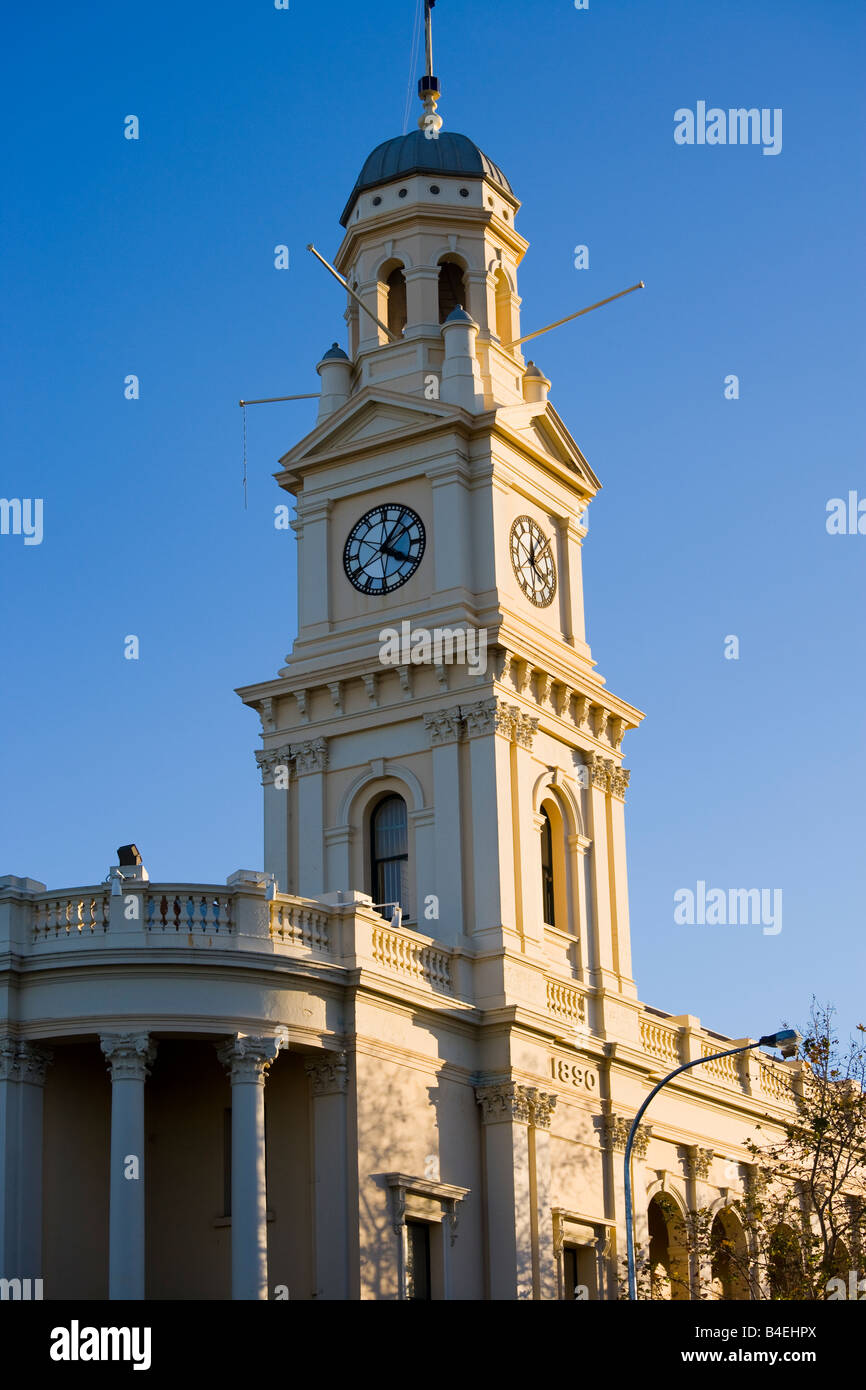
{"points": [[787, 1041]]}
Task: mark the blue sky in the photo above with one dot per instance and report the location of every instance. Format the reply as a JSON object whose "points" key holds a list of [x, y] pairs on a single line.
{"points": [[155, 257]]}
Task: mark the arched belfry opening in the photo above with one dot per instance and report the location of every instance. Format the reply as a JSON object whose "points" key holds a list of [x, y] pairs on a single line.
{"points": [[396, 286], [392, 297], [503, 308], [452, 288]]}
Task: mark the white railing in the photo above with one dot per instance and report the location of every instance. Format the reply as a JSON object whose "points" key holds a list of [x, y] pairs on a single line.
{"points": [[298, 925], [183, 909], [566, 1002], [660, 1041], [82, 912], [723, 1069], [401, 953], [775, 1083]]}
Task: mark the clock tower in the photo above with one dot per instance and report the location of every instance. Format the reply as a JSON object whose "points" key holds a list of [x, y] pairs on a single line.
{"points": [[441, 497]]}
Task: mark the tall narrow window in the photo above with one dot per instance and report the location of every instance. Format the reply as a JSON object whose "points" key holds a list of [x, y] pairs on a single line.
{"points": [[417, 1260], [390, 852], [548, 897], [452, 289], [396, 283]]}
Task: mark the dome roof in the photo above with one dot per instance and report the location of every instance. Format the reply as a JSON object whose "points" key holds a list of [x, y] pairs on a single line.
{"points": [[415, 154]]}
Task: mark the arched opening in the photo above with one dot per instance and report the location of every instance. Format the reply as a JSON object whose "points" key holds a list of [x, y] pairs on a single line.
{"points": [[503, 308], [548, 897], [395, 287], [555, 879], [452, 288], [729, 1258], [785, 1265], [389, 852], [668, 1261]]}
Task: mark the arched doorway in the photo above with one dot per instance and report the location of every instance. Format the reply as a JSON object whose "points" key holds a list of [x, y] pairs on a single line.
{"points": [[729, 1260], [668, 1259], [785, 1265]]}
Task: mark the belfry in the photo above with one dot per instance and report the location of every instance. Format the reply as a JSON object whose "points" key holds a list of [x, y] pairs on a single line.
{"points": [[400, 1060]]}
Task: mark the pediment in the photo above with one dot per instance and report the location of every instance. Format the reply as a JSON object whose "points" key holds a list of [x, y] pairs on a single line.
{"points": [[544, 432], [359, 421]]}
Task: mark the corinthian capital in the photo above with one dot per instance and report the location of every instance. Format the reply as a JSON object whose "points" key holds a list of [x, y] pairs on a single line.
{"points": [[23, 1061], [619, 780], [614, 1135], [508, 1100], [311, 755], [246, 1058], [444, 725], [130, 1055], [269, 759], [698, 1162], [328, 1077]]}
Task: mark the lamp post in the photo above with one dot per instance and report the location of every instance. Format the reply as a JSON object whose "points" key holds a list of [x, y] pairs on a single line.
{"points": [[787, 1041]]}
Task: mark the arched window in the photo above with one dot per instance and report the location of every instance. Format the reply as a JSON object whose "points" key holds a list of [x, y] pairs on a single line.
{"points": [[556, 875], [452, 289], [389, 852], [396, 286], [548, 895]]}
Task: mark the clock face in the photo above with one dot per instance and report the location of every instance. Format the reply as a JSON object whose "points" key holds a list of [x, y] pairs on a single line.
{"points": [[532, 558], [384, 548]]}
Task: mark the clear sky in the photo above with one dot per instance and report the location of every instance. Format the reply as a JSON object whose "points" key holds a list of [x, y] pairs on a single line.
{"points": [[155, 257]]}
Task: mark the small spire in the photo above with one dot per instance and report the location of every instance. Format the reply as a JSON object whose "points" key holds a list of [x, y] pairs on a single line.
{"points": [[429, 89]]}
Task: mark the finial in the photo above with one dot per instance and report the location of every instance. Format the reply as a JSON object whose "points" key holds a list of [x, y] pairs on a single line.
{"points": [[429, 89]]}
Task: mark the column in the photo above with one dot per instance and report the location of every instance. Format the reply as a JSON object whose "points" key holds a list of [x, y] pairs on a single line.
{"points": [[699, 1197], [311, 761], [22, 1084], [443, 728], [130, 1057], [546, 1277], [517, 1190], [329, 1084], [614, 1136], [276, 769], [246, 1060], [422, 301], [527, 852], [578, 849], [452, 513], [312, 529], [572, 532], [602, 963], [489, 726], [618, 778]]}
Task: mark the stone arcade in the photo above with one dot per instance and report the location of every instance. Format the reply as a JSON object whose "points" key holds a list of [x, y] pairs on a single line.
{"points": [[327, 1093]]}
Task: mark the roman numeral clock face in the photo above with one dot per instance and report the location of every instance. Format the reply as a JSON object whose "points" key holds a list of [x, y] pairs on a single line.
{"points": [[384, 548], [533, 562]]}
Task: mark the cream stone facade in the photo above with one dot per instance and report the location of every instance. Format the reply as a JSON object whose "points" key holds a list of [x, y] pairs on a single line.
{"points": [[402, 1059]]}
